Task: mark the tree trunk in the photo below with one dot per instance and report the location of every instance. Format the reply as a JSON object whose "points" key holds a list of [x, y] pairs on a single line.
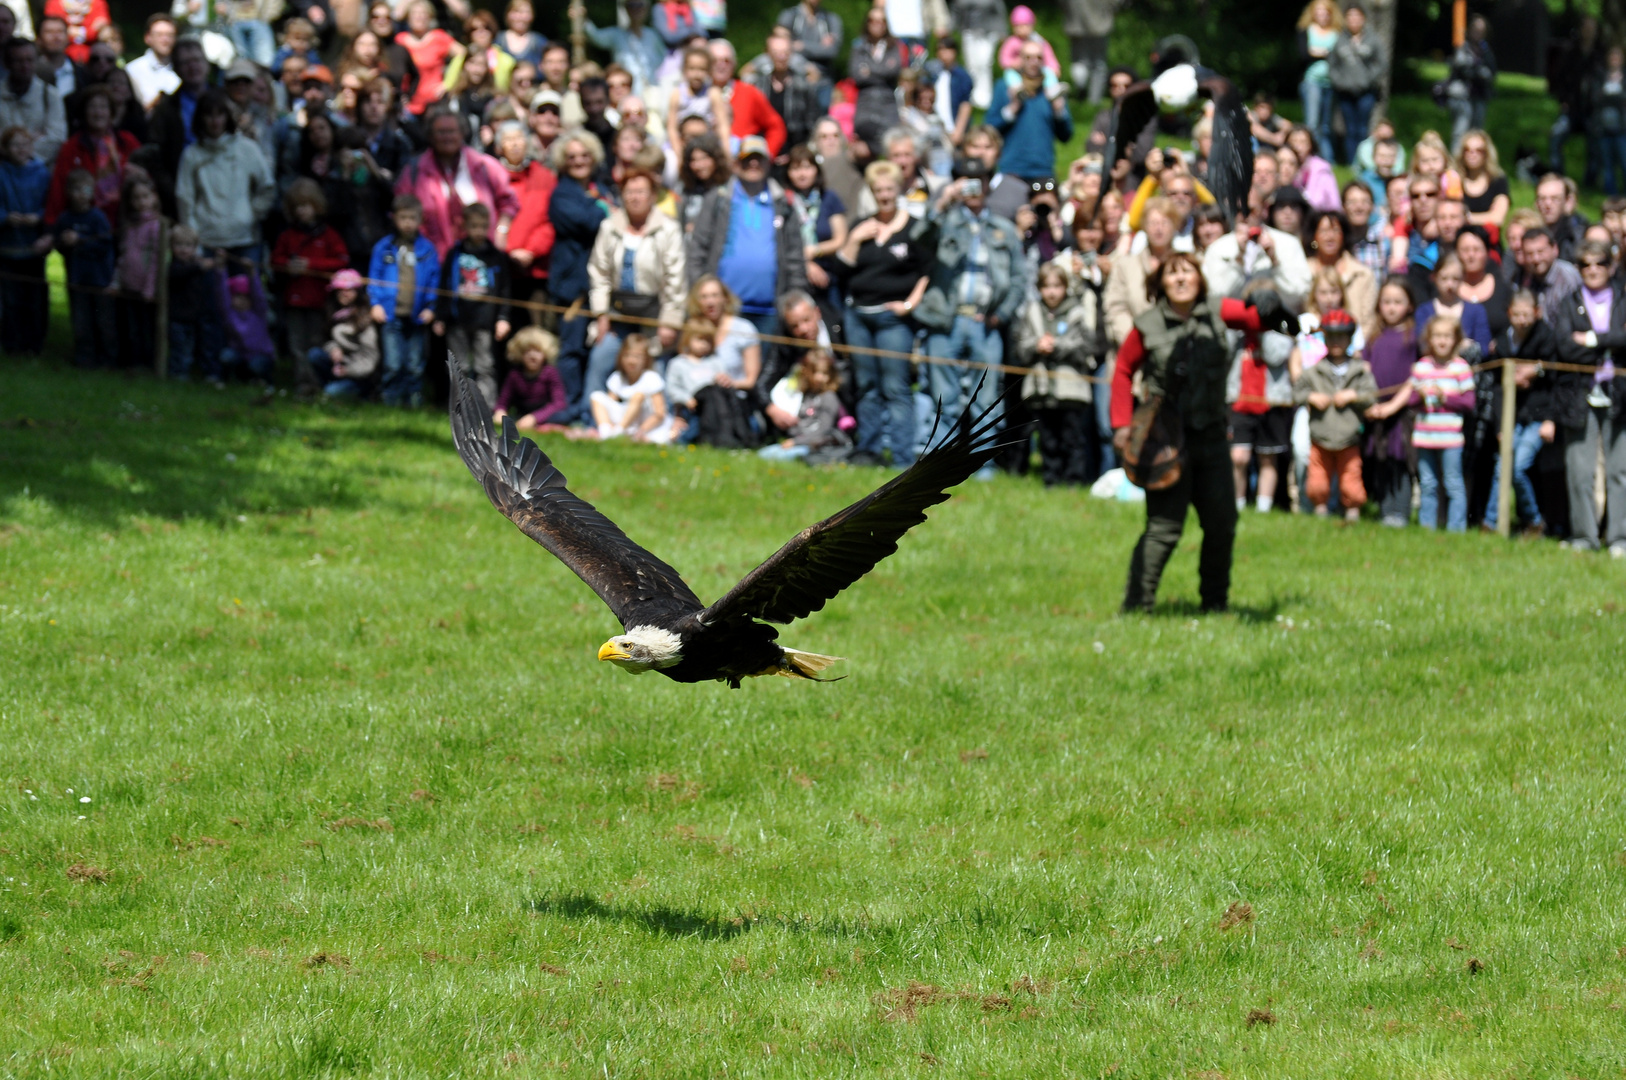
{"points": [[1382, 18]]}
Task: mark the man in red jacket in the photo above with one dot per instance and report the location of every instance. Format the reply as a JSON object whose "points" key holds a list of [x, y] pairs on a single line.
{"points": [[752, 115]]}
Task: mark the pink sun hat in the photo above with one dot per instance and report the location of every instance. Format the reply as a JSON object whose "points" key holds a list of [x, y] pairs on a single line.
{"points": [[1022, 15]]}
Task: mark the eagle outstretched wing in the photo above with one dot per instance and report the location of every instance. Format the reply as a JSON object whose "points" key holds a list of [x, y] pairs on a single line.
{"points": [[824, 559], [1230, 155], [527, 487]]}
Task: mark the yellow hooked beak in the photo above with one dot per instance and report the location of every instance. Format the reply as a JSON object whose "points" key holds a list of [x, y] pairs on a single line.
{"points": [[611, 651]]}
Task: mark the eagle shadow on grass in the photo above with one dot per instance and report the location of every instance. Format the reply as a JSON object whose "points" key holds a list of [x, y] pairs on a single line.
{"points": [[674, 922]]}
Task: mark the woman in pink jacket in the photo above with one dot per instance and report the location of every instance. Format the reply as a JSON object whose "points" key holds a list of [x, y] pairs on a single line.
{"points": [[449, 176]]}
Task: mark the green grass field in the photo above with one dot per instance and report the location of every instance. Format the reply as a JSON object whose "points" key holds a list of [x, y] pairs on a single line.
{"points": [[309, 770]]}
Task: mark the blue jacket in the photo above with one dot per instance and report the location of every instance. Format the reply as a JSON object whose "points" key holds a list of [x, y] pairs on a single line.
{"points": [[576, 216], [385, 273], [22, 191], [1031, 138], [960, 83]]}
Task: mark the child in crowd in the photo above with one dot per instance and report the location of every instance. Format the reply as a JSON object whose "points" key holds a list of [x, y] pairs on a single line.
{"points": [[472, 311], [346, 364], [1390, 356], [1267, 127], [695, 96], [1431, 158], [1366, 153], [248, 333], [1476, 333], [1058, 339], [817, 433], [306, 254], [1443, 383], [533, 390], [1025, 28], [690, 372], [405, 273], [633, 401], [298, 39], [141, 230], [25, 299], [1530, 340], [1386, 156], [1336, 390], [1260, 390], [194, 324], [1326, 294], [85, 238]]}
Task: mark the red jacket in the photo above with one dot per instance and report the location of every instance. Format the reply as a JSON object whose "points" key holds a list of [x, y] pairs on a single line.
{"points": [[754, 116], [323, 248], [532, 229], [76, 153], [1132, 353], [85, 19]]}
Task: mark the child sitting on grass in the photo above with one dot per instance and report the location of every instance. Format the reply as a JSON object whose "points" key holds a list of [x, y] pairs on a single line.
{"points": [[533, 391], [632, 402], [248, 332], [83, 235], [1444, 383], [1530, 340], [1337, 390], [346, 364], [690, 372], [817, 434]]}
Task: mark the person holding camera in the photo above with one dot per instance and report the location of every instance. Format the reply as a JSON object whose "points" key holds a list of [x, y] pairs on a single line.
{"points": [[1031, 119], [977, 287]]}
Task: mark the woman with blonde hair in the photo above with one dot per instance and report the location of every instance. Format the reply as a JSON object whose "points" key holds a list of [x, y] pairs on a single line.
{"points": [[1319, 26], [1484, 186]]}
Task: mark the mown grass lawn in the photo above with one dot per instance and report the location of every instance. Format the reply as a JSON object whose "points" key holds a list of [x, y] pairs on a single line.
{"points": [[309, 771]]}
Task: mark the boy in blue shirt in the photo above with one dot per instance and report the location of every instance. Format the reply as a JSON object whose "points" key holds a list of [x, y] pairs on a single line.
{"points": [[405, 273], [24, 297], [83, 235]]}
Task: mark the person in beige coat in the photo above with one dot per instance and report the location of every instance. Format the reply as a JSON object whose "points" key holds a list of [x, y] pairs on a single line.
{"points": [[1125, 296], [1329, 246], [636, 268]]}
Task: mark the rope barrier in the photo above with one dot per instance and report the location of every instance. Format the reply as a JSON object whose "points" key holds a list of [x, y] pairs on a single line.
{"points": [[576, 311]]}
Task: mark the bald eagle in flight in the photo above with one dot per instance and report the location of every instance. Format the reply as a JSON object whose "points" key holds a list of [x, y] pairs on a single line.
{"points": [[1179, 84], [667, 628]]}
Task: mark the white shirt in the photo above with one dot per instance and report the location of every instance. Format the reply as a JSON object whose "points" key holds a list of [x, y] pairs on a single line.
{"points": [[152, 78], [39, 110], [649, 384], [906, 18]]}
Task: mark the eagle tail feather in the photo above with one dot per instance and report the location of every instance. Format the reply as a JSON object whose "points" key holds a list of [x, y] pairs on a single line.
{"points": [[806, 665]]}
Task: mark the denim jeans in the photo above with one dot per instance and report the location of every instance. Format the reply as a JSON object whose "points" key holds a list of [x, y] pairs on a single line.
{"points": [[572, 362], [403, 347], [1435, 467], [954, 388], [600, 366], [1317, 101], [1526, 445], [886, 411], [766, 324], [253, 39], [1357, 112], [1612, 163], [1103, 418]]}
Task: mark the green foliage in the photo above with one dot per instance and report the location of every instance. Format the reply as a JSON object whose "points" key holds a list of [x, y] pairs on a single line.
{"points": [[362, 803]]}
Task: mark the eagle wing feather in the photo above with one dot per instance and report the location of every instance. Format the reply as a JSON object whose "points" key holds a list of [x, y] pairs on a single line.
{"points": [[823, 559], [529, 489]]}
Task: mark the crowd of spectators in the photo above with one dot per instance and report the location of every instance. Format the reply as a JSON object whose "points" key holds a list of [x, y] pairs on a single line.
{"points": [[822, 250]]}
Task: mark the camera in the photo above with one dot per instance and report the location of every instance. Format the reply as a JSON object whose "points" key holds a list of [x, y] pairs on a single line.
{"points": [[971, 189]]}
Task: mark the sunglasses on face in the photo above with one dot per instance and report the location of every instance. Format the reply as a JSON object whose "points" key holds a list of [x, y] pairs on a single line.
{"points": [[1594, 266], [1425, 194]]}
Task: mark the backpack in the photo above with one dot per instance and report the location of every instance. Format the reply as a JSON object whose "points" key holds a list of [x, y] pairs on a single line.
{"points": [[722, 419]]}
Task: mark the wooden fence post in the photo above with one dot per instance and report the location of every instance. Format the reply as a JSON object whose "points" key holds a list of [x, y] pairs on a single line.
{"points": [[1504, 477]]}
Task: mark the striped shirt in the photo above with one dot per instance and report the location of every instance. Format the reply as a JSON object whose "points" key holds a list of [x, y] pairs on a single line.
{"points": [[1442, 389]]}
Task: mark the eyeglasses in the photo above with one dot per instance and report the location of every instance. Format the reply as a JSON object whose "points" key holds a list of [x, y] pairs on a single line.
{"points": [[1594, 266], [523, 82], [1425, 194]]}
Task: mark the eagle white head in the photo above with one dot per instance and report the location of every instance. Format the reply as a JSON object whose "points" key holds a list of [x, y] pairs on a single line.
{"points": [[643, 648], [1176, 89]]}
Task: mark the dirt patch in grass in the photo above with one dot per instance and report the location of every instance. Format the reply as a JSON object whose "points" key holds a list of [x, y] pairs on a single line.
{"points": [[86, 873], [903, 1003], [1257, 1017], [325, 960], [1240, 913], [380, 824]]}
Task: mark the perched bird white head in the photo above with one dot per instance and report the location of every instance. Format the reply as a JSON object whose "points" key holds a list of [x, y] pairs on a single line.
{"points": [[1176, 89]]}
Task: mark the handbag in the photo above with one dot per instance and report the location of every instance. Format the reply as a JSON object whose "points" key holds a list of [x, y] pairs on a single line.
{"points": [[634, 305], [1155, 456]]}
